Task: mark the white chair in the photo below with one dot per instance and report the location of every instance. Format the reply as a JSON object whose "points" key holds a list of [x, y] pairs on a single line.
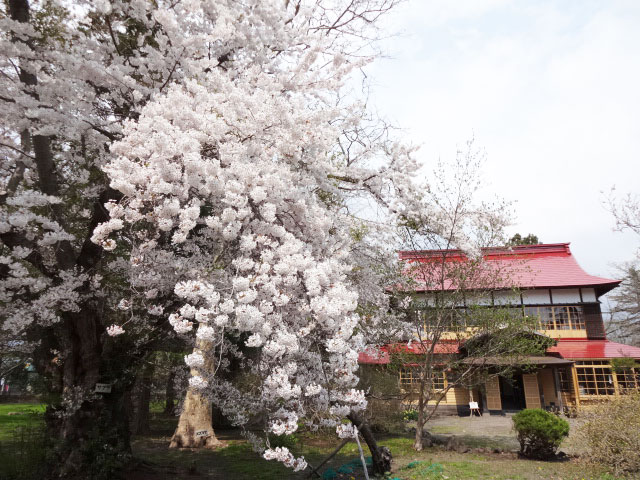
{"points": [[473, 406]]}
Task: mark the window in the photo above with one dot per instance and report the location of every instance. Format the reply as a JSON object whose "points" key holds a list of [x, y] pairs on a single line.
{"points": [[410, 378], [451, 320], [565, 380], [628, 379], [561, 315], [577, 318], [558, 318], [595, 377], [546, 318]]}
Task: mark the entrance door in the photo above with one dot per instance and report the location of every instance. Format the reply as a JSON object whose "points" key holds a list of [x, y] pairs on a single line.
{"points": [[512, 393]]}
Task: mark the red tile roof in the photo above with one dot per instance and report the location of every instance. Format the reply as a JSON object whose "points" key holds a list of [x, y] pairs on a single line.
{"points": [[524, 266], [578, 349], [572, 349]]}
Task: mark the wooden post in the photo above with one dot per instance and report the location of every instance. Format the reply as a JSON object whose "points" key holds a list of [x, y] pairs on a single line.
{"points": [[556, 379], [614, 378], [576, 389]]}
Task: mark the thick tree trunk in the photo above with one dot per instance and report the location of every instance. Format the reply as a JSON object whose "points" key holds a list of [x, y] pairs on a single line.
{"points": [[87, 424], [381, 456], [195, 427]]}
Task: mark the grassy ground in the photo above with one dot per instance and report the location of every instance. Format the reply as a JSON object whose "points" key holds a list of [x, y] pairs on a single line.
{"points": [[22, 450], [29, 415], [237, 461]]}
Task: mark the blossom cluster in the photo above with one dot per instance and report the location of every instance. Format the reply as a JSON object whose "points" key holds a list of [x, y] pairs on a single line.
{"points": [[282, 454], [230, 189]]}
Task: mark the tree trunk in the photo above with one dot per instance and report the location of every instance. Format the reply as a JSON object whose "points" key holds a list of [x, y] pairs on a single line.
{"points": [[141, 396], [417, 443], [426, 383], [195, 418], [195, 428], [87, 424], [381, 456], [170, 394]]}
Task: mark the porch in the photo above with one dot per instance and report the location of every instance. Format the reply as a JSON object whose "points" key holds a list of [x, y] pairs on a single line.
{"points": [[544, 383]]}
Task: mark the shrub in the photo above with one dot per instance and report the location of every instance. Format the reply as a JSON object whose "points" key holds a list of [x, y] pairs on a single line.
{"points": [[539, 433], [611, 433], [288, 441], [410, 415]]}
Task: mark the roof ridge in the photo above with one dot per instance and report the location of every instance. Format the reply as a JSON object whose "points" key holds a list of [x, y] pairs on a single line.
{"points": [[504, 250]]}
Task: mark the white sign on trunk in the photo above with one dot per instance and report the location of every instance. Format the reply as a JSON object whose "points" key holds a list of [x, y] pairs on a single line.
{"points": [[103, 388], [202, 433]]}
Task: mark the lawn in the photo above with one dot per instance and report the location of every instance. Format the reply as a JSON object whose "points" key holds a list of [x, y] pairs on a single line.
{"points": [[237, 461], [29, 416], [22, 450]]}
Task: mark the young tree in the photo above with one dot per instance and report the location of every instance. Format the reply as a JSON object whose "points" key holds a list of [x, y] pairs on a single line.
{"points": [[449, 297]]}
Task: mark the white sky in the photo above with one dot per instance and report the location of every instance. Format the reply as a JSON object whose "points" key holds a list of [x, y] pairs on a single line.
{"points": [[550, 90]]}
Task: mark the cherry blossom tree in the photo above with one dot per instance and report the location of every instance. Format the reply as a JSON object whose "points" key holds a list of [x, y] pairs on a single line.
{"points": [[234, 196], [192, 165]]}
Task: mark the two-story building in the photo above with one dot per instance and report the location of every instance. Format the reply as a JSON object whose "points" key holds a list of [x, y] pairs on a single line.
{"points": [[553, 288]]}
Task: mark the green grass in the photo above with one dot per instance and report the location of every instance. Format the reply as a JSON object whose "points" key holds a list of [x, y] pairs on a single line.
{"points": [[32, 417], [239, 462], [442, 466], [20, 455], [22, 449]]}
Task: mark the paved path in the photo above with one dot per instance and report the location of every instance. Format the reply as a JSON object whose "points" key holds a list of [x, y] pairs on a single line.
{"points": [[490, 430]]}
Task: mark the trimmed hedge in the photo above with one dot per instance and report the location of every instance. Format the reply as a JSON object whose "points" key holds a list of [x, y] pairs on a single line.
{"points": [[540, 433]]}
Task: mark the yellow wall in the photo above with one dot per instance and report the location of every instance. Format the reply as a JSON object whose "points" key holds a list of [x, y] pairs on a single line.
{"points": [[564, 333]]}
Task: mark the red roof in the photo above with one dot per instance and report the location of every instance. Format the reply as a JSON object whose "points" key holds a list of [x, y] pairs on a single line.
{"points": [[524, 266], [573, 349], [577, 349], [380, 355]]}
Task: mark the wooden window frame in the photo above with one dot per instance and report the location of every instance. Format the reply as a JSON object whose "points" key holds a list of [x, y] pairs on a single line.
{"points": [[408, 378], [628, 379], [595, 378], [573, 317]]}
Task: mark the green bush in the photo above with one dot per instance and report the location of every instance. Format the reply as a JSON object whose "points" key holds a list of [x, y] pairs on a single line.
{"points": [[288, 441], [539, 433], [410, 415], [611, 433]]}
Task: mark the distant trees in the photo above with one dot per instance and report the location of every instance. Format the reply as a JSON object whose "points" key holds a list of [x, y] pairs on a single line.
{"points": [[625, 311], [518, 239]]}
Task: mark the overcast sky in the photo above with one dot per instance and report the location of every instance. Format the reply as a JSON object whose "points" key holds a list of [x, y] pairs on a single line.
{"points": [[550, 90]]}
